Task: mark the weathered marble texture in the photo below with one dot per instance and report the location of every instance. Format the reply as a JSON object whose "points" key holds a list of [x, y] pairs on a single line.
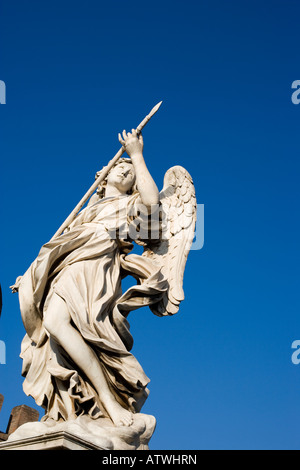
{"points": [[77, 360]]}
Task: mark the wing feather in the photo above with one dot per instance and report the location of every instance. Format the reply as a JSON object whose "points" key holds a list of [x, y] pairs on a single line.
{"points": [[178, 204]]}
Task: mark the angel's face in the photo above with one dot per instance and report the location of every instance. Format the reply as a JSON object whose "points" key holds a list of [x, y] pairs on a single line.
{"points": [[122, 176]]}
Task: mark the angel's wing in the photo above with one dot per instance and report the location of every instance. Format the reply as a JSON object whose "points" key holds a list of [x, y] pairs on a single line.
{"points": [[178, 205]]}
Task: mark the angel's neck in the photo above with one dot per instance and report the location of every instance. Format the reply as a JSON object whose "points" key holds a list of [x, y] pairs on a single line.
{"points": [[112, 191]]}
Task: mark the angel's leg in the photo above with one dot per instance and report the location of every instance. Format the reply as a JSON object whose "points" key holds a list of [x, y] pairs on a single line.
{"points": [[57, 322]]}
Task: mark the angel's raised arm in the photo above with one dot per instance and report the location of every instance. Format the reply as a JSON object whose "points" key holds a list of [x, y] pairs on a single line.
{"points": [[133, 144]]}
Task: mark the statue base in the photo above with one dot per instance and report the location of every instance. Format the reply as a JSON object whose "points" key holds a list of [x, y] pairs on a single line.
{"points": [[83, 433], [56, 441]]}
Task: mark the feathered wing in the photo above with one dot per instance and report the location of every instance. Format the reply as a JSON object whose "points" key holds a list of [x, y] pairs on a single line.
{"points": [[178, 206]]}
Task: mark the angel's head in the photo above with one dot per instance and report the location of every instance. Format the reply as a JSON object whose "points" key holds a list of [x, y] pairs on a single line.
{"points": [[121, 177]]}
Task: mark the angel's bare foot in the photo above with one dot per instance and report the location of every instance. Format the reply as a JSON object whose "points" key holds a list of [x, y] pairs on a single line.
{"points": [[118, 414]]}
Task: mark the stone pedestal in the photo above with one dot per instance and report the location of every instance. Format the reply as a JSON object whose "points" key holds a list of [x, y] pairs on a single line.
{"points": [[55, 441], [83, 433]]}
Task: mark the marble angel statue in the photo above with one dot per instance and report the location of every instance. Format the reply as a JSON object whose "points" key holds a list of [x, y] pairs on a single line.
{"points": [[76, 352]]}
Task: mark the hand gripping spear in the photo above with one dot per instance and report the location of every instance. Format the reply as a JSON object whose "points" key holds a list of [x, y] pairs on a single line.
{"points": [[102, 176], [93, 188]]}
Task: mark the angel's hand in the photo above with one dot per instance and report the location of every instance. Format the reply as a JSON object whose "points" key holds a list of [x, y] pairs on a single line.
{"points": [[132, 142], [15, 287]]}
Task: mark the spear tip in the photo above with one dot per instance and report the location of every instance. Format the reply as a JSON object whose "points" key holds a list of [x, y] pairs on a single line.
{"points": [[156, 108]]}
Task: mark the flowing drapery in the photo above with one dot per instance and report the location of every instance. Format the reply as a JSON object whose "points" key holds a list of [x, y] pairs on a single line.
{"points": [[84, 266]]}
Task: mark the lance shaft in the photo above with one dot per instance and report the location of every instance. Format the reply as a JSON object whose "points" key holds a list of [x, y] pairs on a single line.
{"points": [[102, 176]]}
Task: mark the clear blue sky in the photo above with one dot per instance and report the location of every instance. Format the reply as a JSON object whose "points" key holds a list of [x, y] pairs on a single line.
{"points": [[77, 73]]}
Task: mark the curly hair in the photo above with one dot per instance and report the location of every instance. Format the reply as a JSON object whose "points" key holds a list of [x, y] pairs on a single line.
{"points": [[101, 188]]}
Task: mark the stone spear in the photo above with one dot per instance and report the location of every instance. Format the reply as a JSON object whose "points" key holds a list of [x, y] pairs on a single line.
{"points": [[102, 176]]}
